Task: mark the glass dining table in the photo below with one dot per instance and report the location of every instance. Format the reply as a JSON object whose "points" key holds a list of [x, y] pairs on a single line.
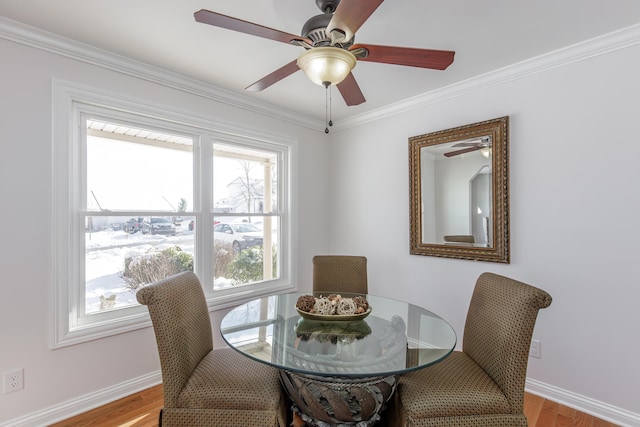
{"points": [[338, 369]]}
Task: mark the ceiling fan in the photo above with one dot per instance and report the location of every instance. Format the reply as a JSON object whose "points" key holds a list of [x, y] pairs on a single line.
{"points": [[330, 53], [476, 144]]}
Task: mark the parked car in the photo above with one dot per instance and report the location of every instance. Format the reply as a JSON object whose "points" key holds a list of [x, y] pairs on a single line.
{"points": [[133, 225], [158, 225], [241, 235]]}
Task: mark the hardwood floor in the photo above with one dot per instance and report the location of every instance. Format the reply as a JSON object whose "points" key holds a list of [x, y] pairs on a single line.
{"points": [[138, 410], [142, 409], [544, 413]]}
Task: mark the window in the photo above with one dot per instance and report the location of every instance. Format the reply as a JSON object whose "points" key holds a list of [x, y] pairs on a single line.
{"points": [[141, 196]]}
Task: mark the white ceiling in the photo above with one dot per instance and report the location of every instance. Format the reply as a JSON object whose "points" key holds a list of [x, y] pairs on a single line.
{"points": [[486, 35]]}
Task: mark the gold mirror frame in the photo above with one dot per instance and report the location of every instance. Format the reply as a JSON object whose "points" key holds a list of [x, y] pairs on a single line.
{"points": [[498, 226]]}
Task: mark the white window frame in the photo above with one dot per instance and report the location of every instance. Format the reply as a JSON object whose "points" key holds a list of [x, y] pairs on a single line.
{"points": [[71, 103]]}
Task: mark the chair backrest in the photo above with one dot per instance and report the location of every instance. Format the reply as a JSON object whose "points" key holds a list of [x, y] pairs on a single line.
{"points": [[461, 238], [180, 317], [344, 273], [498, 330]]}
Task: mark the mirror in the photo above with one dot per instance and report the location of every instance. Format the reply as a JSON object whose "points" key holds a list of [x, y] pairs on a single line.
{"points": [[459, 192]]}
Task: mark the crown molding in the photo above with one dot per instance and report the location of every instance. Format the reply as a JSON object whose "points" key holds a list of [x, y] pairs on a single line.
{"points": [[34, 37], [602, 45]]}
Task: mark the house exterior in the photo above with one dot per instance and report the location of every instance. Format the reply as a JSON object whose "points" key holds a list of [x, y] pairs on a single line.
{"points": [[246, 195]]}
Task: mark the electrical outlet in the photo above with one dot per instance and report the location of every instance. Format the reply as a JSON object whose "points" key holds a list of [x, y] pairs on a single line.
{"points": [[14, 380], [536, 349]]}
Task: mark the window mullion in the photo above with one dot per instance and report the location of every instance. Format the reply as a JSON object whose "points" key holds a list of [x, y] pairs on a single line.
{"points": [[204, 233]]}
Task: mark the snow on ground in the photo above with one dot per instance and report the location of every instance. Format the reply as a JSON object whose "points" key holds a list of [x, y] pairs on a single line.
{"points": [[105, 254]]}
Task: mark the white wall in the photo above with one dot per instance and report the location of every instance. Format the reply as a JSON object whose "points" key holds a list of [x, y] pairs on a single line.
{"points": [[575, 199], [55, 378]]}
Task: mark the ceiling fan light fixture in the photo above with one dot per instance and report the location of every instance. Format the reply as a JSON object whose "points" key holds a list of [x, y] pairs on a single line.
{"points": [[327, 64]]}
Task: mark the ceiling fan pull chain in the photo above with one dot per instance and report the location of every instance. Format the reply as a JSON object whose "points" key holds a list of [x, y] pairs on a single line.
{"points": [[327, 120], [330, 104]]}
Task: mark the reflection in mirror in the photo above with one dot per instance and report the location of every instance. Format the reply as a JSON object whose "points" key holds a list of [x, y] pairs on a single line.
{"points": [[457, 182], [459, 192]]}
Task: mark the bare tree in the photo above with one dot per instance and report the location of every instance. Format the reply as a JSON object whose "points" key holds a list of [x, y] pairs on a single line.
{"points": [[251, 187]]}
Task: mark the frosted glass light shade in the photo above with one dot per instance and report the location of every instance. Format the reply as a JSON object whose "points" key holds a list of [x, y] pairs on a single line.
{"points": [[326, 64]]}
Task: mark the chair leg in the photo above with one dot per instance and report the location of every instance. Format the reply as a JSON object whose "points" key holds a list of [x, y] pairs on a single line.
{"points": [[160, 419]]}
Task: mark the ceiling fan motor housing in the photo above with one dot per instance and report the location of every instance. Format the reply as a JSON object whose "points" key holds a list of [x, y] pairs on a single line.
{"points": [[315, 30], [327, 6]]}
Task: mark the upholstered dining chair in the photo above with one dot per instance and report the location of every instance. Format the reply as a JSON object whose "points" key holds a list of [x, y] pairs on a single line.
{"points": [[459, 238], [482, 385], [344, 273], [203, 386]]}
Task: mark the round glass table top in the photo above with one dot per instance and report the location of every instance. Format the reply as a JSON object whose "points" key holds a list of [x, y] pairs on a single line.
{"points": [[392, 338]]}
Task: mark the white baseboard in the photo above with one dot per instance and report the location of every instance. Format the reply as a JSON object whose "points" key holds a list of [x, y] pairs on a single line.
{"points": [[82, 404], [70, 408], [585, 404]]}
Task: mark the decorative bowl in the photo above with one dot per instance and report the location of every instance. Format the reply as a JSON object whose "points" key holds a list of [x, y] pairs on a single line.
{"points": [[333, 317]]}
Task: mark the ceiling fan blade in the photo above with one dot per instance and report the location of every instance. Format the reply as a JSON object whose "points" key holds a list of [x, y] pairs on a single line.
{"points": [[235, 24], [350, 90], [464, 150], [475, 142], [466, 144], [412, 57], [274, 77], [350, 15]]}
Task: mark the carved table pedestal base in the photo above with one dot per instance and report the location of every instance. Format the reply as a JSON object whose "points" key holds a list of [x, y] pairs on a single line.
{"points": [[338, 402]]}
